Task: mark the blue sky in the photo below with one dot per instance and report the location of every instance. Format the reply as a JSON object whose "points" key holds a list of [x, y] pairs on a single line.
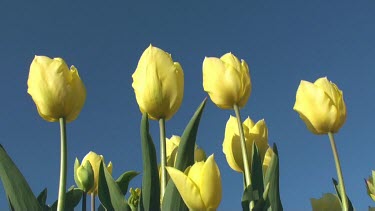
{"points": [[282, 41]]}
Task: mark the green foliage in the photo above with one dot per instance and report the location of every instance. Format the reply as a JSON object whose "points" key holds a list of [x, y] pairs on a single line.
{"points": [[150, 179], [109, 193], [124, 179], [185, 157], [20, 196], [337, 188], [72, 198]]}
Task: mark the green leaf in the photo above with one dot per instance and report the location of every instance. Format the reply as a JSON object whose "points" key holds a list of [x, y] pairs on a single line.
{"points": [[42, 198], [272, 177], [109, 192], [150, 179], [247, 197], [185, 157], [256, 174], [337, 188], [124, 179], [72, 198], [15, 185]]}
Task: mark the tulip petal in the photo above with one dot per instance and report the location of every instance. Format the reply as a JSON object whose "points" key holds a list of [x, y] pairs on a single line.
{"points": [[210, 184], [232, 145], [188, 190]]}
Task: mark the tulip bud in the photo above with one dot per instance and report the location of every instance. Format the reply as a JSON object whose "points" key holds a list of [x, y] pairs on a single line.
{"points": [[227, 81], [158, 83], [200, 184], [329, 202], [83, 175], [199, 154], [370, 186], [134, 198], [321, 106], [95, 160], [257, 133], [56, 90]]}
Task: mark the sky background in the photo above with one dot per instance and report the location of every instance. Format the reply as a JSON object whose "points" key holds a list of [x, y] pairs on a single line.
{"points": [[282, 41]]}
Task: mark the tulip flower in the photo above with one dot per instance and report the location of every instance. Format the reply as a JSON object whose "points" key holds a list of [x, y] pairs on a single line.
{"points": [[257, 133], [200, 184], [158, 83], [57, 91], [227, 81], [321, 106], [95, 161], [329, 202], [83, 175], [370, 186], [172, 148]]}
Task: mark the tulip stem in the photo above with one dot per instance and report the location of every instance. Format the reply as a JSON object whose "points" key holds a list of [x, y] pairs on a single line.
{"points": [[63, 166], [243, 146], [344, 199], [84, 194], [163, 159], [92, 202]]}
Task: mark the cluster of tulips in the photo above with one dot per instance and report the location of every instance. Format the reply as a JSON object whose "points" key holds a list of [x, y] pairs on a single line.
{"points": [[185, 179]]}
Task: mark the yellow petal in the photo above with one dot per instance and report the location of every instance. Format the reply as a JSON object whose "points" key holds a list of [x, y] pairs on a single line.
{"points": [[232, 145], [210, 184], [329, 202], [188, 190]]}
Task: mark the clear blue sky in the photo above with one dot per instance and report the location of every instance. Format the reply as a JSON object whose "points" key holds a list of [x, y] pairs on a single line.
{"points": [[282, 41]]}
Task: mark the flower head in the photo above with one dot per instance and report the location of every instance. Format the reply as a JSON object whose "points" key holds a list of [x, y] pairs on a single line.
{"points": [[95, 161], [227, 81], [257, 133], [200, 184], [56, 90], [158, 83], [321, 106]]}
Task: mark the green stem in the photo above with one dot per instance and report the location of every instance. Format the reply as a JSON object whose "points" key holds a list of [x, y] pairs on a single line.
{"points": [[344, 199], [84, 194], [92, 202], [63, 167], [163, 159], [243, 147]]}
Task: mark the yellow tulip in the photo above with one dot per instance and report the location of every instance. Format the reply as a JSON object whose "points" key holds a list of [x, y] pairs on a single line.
{"points": [[95, 161], [370, 186], [56, 90], [329, 202], [227, 81], [172, 148], [83, 175], [257, 133], [158, 83], [200, 184], [321, 106]]}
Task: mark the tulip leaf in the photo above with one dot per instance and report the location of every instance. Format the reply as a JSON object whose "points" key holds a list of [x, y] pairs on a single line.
{"points": [[256, 173], [72, 198], [42, 197], [185, 157], [15, 185], [124, 179], [247, 197], [150, 179], [337, 188], [272, 178], [109, 192]]}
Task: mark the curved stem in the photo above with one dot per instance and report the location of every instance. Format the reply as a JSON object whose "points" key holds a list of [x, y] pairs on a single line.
{"points": [[63, 167], [344, 199], [243, 147], [163, 159]]}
